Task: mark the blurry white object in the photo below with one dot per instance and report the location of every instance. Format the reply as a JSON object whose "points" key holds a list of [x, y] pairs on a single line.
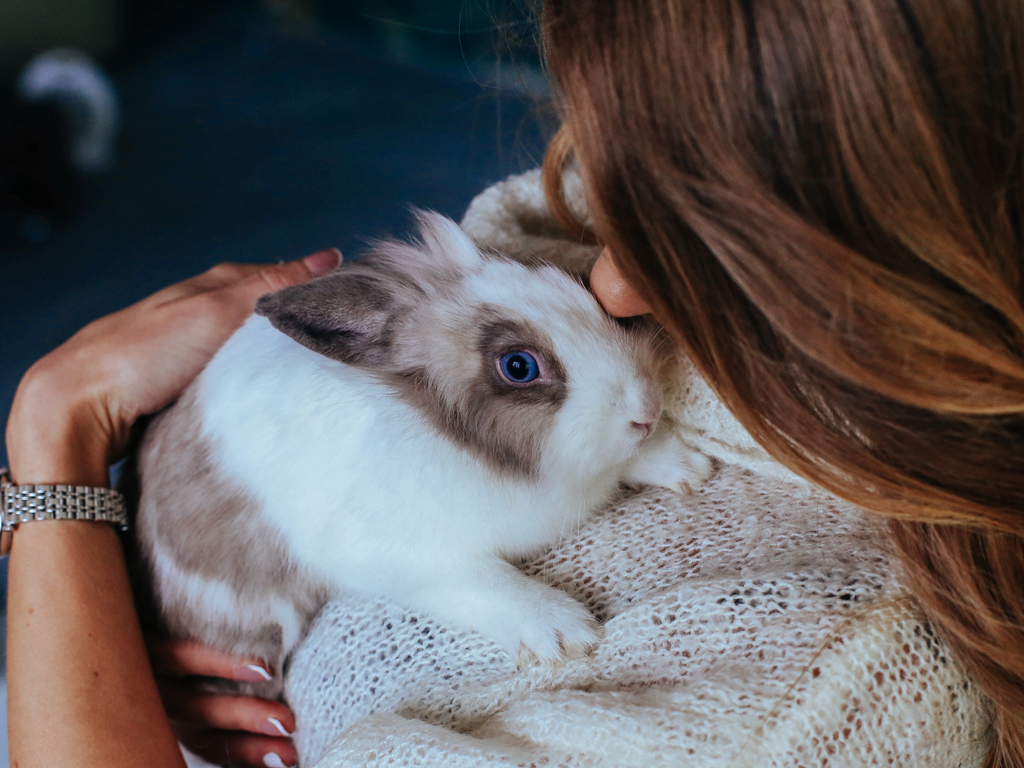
{"points": [[75, 84]]}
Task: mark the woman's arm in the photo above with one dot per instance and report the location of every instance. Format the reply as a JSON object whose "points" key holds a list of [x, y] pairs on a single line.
{"points": [[80, 688]]}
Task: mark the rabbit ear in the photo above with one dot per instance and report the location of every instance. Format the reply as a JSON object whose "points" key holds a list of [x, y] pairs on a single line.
{"points": [[347, 315], [350, 314], [444, 244]]}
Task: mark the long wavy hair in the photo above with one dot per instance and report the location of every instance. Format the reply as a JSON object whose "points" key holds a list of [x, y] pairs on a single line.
{"points": [[823, 201]]}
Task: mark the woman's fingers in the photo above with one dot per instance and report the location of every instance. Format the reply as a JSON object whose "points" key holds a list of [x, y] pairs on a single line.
{"points": [[238, 749], [180, 658], [213, 279], [210, 280], [223, 729], [222, 712], [274, 277], [269, 277]]}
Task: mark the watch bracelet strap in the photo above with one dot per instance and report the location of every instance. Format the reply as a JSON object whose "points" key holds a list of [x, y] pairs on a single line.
{"points": [[27, 503]]}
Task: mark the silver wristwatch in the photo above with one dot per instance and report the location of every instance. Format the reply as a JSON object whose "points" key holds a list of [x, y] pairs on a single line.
{"points": [[25, 503]]}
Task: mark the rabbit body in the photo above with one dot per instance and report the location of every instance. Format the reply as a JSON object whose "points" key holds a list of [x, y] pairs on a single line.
{"points": [[359, 433]]}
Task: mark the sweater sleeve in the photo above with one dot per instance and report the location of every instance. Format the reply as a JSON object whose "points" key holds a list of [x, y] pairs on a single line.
{"points": [[754, 623]]}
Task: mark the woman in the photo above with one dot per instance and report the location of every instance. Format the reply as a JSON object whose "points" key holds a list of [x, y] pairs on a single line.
{"points": [[821, 201]]}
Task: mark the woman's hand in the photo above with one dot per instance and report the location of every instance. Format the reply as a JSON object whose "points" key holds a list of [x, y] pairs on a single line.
{"points": [[240, 730], [74, 645], [74, 409]]}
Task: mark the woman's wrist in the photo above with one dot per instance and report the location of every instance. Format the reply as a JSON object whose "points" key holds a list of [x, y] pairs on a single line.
{"points": [[54, 433]]}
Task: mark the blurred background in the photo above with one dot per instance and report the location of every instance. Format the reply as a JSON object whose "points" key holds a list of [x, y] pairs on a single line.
{"points": [[143, 141]]}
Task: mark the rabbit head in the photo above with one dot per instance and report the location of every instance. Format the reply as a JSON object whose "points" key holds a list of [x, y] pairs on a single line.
{"points": [[516, 364]]}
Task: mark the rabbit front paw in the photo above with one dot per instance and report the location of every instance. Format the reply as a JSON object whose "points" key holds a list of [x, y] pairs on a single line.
{"points": [[550, 628], [667, 462], [526, 617]]}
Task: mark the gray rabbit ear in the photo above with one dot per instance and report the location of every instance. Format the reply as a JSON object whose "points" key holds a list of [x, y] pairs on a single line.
{"points": [[347, 315], [350, 315]]}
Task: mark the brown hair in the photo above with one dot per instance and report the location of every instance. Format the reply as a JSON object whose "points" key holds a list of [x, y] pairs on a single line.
{"points": [[824, 202]]}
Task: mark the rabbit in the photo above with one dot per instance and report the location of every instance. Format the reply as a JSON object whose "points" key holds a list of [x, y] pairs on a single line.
{"points": [[405, 427]]}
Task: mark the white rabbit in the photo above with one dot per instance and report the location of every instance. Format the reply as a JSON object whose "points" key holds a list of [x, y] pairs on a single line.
{"points": [[404, 427]]}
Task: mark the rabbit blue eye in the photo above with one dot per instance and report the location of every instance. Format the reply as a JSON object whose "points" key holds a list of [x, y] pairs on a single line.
{"points": [[519, 367]]}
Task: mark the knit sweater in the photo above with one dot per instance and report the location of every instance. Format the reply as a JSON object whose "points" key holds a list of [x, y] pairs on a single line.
{"points": [[757, 622]]}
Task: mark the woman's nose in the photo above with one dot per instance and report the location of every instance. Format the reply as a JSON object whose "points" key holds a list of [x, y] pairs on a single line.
{"points": [[611, 289]]}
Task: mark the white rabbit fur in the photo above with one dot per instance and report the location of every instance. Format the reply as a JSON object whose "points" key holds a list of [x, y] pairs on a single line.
{"points": [[371, 447]]}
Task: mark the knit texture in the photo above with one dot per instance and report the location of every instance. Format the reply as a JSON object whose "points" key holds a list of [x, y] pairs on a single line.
{"points": [[752, 623], [757, 622]]}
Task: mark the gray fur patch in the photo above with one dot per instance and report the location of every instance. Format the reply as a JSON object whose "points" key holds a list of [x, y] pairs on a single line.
{"points": [[503, 425], [210, 529], [348, 315]]}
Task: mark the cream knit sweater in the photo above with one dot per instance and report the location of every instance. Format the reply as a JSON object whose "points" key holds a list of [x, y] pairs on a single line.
{"points": [[757, 622]]}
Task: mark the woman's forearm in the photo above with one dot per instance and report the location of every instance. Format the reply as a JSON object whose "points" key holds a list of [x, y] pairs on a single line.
{"points": [[69, 596], [80, 688]]}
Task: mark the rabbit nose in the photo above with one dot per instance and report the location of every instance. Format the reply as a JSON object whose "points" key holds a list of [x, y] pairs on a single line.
{"points": [[651, 414], [646, 427], [654, 404]]}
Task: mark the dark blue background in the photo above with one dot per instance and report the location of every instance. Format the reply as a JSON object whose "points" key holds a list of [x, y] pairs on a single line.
{"points": [[248, 139]]}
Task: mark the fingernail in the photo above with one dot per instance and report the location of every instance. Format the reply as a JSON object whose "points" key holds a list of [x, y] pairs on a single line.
{"points": [[253, 673], [271, 760], [274, 727], [322, 262]]}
